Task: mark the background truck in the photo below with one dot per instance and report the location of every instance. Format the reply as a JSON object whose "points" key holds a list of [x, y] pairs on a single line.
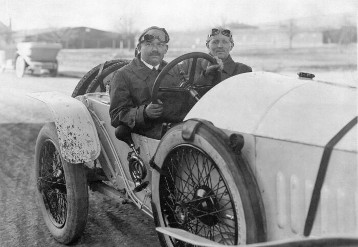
{"points": [[37, 58]]}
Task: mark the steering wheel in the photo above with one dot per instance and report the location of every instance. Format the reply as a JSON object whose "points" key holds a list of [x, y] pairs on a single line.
{"points": [[188, 85]]}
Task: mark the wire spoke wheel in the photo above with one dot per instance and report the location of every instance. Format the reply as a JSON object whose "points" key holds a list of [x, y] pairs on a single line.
{"points": [[62, 192], [195, 196], [20, 66], [52, 184]]}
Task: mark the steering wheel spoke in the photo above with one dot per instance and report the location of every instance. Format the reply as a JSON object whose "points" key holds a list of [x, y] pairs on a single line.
{"points": [[172, 89], [192, 71]]}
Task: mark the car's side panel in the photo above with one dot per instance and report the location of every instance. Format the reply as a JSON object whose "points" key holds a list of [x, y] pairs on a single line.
{"points": [[286, 174], [117, 150], [99, 104], [76, 131]]}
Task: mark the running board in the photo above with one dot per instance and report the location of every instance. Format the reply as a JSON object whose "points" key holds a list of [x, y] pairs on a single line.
{"points": [[337, 241], [108, 191]]}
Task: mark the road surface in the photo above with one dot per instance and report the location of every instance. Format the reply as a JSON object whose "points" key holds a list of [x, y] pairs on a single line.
{"points": [[21, 224]]}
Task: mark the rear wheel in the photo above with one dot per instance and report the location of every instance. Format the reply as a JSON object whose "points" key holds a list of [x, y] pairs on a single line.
{"points": [[205, 191], [20, 67], [62, 192], [54, 71]]}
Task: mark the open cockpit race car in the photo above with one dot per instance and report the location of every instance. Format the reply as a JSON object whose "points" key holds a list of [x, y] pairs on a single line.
{"points": [[260, 158]]}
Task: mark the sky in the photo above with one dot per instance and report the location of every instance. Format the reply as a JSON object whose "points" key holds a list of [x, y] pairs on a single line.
{"points": [[116, 15]]}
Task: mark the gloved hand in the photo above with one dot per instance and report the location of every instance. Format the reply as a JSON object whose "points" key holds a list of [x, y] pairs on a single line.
{"points": [[153, 111], [213, 69]]}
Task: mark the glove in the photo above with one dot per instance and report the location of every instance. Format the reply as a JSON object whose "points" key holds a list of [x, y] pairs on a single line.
{"points": [[153, 111], [213, 69]]}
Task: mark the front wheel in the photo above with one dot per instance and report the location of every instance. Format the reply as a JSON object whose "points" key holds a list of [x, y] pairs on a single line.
{"points": [[20, 67], [53, 72], [62, 192], [206, 191]]}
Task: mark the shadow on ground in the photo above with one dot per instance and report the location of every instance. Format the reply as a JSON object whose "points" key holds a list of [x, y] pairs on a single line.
{"points": [[109, 223]]}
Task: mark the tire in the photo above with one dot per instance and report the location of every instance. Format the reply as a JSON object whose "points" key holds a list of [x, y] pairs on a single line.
{"points": [[20, 67], [62, 192], [91, 82], [208, 190], [53, 72]]}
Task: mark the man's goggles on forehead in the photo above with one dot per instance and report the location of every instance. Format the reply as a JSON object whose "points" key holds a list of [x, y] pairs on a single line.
{"points": [[150, 37], [216, 31]]}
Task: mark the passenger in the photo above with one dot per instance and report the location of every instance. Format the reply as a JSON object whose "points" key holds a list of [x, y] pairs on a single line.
{"points": [[219, 43], [131, 87]]}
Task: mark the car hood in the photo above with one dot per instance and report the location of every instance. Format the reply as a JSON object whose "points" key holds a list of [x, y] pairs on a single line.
{"points": [[281, 107]]}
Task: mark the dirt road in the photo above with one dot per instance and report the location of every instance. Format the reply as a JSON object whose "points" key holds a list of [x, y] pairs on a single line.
{"points": [[21, 224]]}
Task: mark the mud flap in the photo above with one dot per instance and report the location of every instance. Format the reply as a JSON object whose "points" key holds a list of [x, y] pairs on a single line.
{"points": [[191, 126]]}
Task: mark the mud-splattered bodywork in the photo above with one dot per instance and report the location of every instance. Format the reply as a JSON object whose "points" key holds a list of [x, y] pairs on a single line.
{"points": [[76, 131]]}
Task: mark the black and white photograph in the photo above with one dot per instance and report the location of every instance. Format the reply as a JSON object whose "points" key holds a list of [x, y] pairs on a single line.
{"points": [[178, 123]]}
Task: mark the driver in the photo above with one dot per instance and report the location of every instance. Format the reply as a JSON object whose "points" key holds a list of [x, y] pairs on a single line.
{"points": [[131, 87]]}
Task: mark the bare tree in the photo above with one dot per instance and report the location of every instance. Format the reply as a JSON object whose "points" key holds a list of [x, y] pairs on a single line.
{"points": [[292, 31], [223, 20], [125, 26], [347, 33]]}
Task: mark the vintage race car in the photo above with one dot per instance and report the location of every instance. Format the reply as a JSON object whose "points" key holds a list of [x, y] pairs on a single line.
{"points": [[259, 158]]}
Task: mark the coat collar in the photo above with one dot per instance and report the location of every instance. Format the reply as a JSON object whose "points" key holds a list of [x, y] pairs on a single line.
{"points": [[149, 65], [229, 65], [141, 70]]}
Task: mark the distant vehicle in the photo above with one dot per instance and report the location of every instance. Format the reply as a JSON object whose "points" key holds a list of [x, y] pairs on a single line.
{"points": [[37, 58], [261, 157]]}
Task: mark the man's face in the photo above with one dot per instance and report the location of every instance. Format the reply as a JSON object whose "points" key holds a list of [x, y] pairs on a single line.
{"points": [[153, 51], [220, 46]]}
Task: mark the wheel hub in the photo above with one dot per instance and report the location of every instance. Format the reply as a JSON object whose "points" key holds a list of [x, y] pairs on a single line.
{"points": [[206, 205], [181, 214]]}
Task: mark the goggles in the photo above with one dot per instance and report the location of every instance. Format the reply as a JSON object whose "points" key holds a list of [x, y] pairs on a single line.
{"points": [[216, 31], [150, 37]]}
